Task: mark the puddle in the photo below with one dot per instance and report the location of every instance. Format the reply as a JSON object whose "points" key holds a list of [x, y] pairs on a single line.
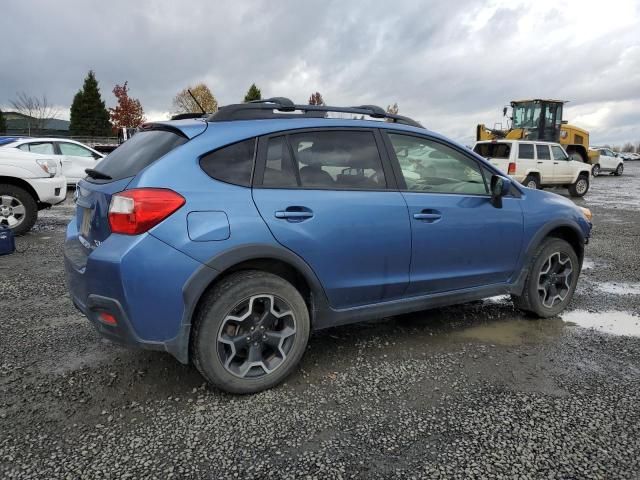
{"points": [[513, 332], [619, 288], [498, 299], [612, 322], [588, 264]]}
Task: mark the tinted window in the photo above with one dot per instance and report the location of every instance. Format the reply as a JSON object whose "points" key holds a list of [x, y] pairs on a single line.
{"points": [[543, 152], [525, 151], [278, 170], [558, 153], [138, 153], [493, 150], [430, 166], [340, 160], [75, 150], [46, 148], [231, 164]]}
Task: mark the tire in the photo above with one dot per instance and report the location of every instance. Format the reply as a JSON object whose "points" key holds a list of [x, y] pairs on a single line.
{"points": [[619, 170], [18, 209], [581, 187], [532, 301], [595, 170], [226, 333], [531, 181]]}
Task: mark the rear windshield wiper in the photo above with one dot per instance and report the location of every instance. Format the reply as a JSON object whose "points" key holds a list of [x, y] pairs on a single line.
{"points": [[97, 175]]}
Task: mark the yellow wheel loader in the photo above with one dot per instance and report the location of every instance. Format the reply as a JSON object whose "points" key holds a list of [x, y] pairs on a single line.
{"points": [[540, 119]]}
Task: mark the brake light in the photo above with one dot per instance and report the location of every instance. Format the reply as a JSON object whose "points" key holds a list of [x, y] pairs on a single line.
{"points": [[135, 211], [512, 168]]}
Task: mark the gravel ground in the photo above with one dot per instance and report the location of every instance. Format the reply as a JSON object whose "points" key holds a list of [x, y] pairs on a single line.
{"points": [[473, 391]]}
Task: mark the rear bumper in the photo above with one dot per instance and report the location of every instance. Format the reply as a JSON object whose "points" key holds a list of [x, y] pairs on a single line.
{"points": [[51, 190], [139, 283]]}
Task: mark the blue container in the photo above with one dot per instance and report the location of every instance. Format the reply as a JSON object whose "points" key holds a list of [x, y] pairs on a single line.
{"points": [[7, 241]]}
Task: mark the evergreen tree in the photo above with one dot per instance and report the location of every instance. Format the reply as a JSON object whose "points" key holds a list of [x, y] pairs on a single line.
{"points": [[253, 93], [89, 116], [3, 124]]}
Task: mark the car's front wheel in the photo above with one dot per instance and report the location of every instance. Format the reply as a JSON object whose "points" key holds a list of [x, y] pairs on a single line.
{"points": [[551, 281], [581, 187], [595, 170], [619, 170], [18, 209], [250, 332]]}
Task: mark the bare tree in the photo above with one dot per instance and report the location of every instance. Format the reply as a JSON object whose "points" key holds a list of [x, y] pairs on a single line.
{"points": [[638, 147], [627, 147], [37, 109]]}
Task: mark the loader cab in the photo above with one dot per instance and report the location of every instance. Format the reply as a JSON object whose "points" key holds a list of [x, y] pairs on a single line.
{"points": [[538, 119]]}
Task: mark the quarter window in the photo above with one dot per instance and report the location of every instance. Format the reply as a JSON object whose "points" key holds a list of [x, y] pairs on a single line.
{"points": [[543, 152], [338, 160], [231, 164], [429, 166], [525, 151]]}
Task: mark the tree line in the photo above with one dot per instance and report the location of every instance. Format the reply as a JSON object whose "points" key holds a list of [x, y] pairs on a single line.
{"points": [[89, 115]]}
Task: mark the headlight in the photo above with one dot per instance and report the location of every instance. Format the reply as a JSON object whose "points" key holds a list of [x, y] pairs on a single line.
{"points": [[49, 166], [586, 212]]}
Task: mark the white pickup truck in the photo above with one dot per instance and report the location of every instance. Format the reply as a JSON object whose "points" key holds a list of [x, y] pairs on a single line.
{"points": [[29, 182], [537, 164]]}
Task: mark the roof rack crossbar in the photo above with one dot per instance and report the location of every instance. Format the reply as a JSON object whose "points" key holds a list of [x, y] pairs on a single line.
{"points": [[265, 109]]}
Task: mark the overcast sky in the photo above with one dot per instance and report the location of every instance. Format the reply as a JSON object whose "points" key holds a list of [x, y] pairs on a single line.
{"points": [[448, 64]]}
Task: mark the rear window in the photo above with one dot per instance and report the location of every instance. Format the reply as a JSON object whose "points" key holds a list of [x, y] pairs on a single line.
{"points": [[493, 150], [139, 152], [231, 164]]}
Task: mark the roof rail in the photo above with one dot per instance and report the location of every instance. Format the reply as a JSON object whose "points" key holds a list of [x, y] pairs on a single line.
{"points": [[183, 116], [268, 108]]}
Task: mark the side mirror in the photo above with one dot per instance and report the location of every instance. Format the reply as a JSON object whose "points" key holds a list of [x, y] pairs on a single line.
{"points": [[500, 186]]}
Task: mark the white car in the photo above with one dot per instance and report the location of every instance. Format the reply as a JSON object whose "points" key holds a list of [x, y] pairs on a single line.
{"points": [[29, 182], [609, 162], [537, 164], [75, 156]]}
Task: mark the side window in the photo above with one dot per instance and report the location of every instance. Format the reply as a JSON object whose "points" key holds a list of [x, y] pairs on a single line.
{"points": [[525, 151], [74, 150], [338, 160], [432, 167], [24, 147], [231, 164], [543, 152], [558, 153], [45, 147], [278, 171]]}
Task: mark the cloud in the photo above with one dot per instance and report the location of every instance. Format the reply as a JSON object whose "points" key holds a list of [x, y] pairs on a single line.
{"points": [[449, 65]]}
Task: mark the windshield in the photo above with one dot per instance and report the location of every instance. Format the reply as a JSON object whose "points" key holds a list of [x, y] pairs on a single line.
{"points": [[526, 115], [493, 150]]}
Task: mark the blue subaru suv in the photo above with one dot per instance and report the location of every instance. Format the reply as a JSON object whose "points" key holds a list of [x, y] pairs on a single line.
{"points": [[226, 240]]}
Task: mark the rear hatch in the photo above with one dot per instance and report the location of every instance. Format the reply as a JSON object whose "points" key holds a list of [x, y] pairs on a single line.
{"points": [[112, 175], [498, 153]]}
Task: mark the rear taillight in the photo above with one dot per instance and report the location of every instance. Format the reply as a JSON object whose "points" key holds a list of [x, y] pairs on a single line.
{"points": [[135, 211], [512, 168]]}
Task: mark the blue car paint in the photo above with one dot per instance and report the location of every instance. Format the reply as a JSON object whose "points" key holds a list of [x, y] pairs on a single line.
{"points": [[386, 258]]}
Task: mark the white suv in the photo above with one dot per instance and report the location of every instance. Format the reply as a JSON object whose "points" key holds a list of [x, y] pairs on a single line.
{"points": [[29, 182], [537, 164], [608, 162]]}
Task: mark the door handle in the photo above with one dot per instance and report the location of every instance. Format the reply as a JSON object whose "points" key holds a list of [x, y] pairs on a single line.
{"points": [[539, 163], [428, 216], [294, 214], [555, 163]]}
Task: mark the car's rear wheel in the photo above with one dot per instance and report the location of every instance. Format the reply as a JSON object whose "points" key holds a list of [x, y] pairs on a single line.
{"points": [[250, 332], [551, 281], [18, 209], [532, 181], [581, 187], [595, 170], [619, 170]]}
